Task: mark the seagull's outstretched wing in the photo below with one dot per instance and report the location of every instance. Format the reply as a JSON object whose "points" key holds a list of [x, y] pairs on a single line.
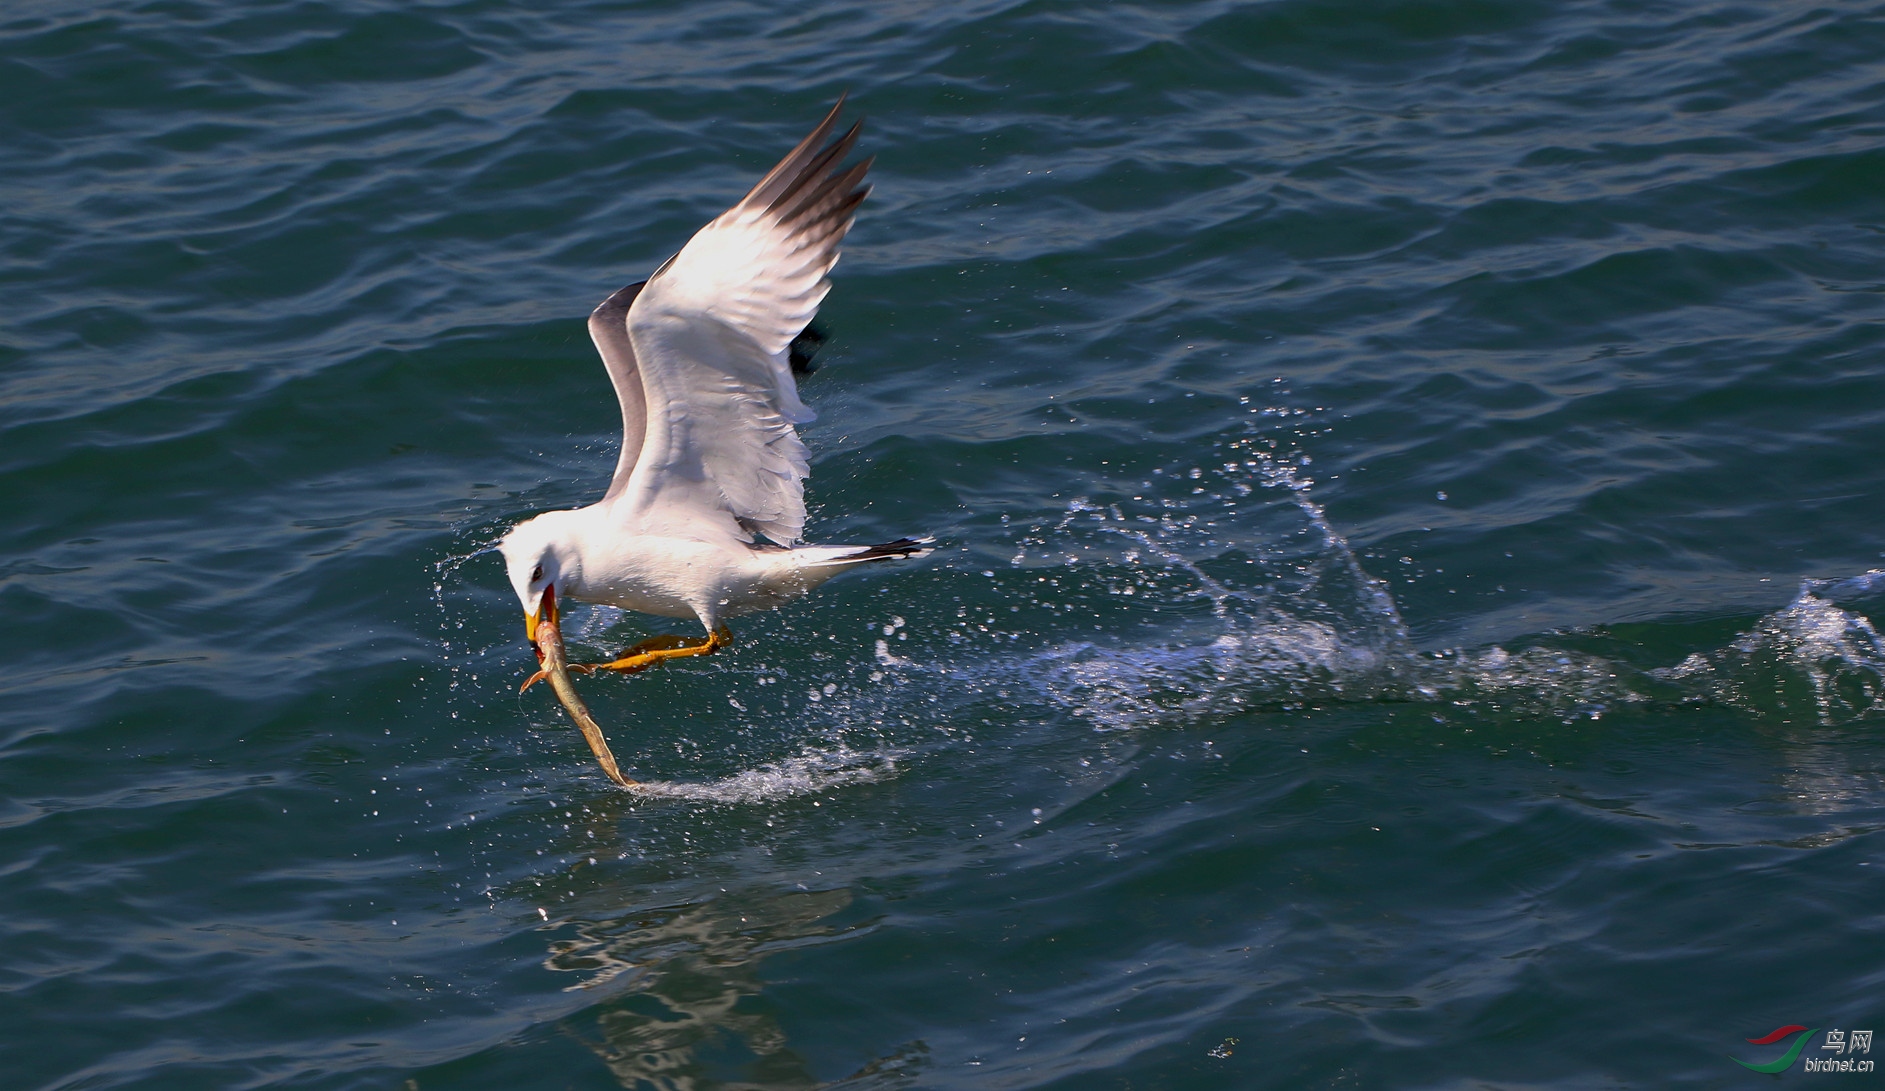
{"points": [[709, 335], [608, 328]]}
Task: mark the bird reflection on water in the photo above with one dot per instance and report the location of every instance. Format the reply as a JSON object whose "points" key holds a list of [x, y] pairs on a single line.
{"points": [[689, 1011]]}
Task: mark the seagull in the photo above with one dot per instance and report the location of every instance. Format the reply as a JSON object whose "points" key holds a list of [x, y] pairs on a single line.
{"points": [[705, 514]]}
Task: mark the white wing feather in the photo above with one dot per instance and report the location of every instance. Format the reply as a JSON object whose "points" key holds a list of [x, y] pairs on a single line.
{"points": [[711, 333], [608, 328]]}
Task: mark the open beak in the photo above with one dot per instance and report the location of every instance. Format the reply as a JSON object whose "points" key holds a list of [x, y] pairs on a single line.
{"points": [[546, 637]]}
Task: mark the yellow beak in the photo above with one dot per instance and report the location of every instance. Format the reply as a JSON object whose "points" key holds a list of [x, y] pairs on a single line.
{"points": [[546, 614]]}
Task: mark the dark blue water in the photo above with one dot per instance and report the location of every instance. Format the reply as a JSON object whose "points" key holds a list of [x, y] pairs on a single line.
{"points": [[1410, 480]]}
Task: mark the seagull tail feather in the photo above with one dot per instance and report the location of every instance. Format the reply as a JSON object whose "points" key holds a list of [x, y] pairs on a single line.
{"points": [[845, 556]]}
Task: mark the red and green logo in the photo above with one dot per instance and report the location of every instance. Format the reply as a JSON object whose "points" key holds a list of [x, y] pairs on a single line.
{"points": [[1786, 1059]]}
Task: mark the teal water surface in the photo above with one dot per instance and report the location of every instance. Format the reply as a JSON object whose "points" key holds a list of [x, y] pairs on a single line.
{"points": [[1410, 488]]}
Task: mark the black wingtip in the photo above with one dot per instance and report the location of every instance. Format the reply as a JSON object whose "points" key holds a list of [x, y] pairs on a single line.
{"points": [[804, 347], [615, 308], [902, 547]]}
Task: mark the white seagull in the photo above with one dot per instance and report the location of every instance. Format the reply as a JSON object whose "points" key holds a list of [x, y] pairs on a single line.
{"points": [[704, 516]]}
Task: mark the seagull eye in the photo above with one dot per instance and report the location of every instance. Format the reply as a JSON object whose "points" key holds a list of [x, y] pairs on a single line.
{"points": [[536, 574]]}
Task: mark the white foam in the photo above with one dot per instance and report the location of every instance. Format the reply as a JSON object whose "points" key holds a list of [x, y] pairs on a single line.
{"points": [[808, 773]]}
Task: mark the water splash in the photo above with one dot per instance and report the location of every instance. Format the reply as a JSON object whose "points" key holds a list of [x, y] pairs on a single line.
{"points": [[807, 773], [1315, 627], [1812, 658], [1293, 617]]}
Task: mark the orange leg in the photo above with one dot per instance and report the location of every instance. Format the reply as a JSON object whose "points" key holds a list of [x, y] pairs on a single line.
{"points": [[658, 648], [649, 652]]}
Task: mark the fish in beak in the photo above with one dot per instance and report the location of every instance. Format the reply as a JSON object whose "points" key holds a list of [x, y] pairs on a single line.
{"points": [[546, 637]]}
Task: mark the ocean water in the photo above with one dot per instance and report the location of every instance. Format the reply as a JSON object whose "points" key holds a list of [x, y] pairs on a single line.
{"points": [[1410, 488]]}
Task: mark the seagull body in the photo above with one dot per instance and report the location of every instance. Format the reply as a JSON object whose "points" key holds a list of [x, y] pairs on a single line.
{"points": [[586, 557], [704, 515]]}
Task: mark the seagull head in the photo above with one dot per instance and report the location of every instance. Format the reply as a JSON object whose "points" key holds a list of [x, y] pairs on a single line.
{"points": [[539, 558]]}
